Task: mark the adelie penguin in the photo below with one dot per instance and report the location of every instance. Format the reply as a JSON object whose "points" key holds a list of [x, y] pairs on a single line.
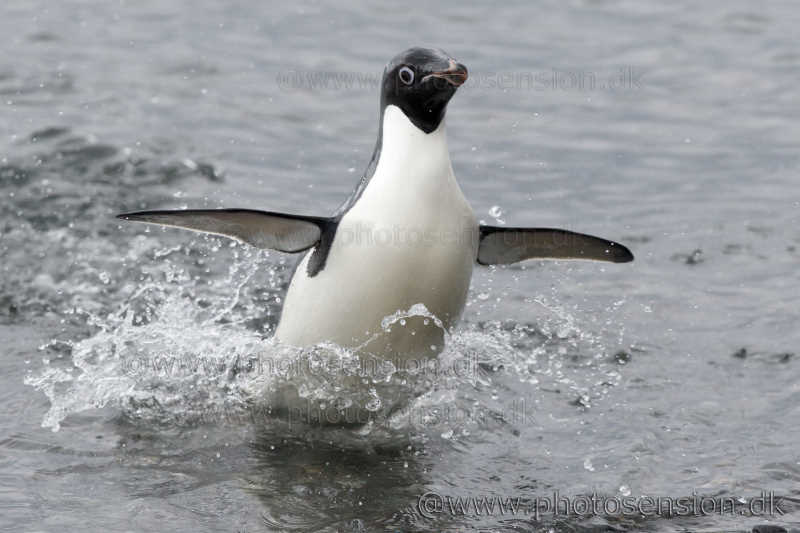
{"points": [[405, 237]]}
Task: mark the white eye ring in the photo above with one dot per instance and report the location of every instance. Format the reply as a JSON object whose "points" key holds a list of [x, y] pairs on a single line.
{"points": [[406, 75]]}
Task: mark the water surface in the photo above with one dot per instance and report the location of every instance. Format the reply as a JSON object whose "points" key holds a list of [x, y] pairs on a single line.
{"points": [[671, 128]]}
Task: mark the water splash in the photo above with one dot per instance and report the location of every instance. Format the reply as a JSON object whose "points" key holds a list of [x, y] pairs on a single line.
{"points": [[165, 348], [413, 311], [496, 212], [187, 348]]}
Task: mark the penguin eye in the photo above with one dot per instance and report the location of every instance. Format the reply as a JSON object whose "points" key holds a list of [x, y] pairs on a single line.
{"points": [[406, 75]]}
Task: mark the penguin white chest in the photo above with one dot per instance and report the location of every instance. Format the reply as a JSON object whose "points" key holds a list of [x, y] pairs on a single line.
{"points": [[410, 238]]}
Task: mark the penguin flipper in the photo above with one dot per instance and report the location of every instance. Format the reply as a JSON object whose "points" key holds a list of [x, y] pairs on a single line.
{"points": [[500, 245], [262, 229]]}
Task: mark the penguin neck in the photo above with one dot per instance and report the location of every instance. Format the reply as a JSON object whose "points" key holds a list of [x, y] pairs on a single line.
{"points": [[410, 161], [412, 175], [401, 140], [407, 164]]}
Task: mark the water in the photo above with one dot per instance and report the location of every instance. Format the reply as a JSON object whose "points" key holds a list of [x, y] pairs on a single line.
{"points": [[670, 128]]}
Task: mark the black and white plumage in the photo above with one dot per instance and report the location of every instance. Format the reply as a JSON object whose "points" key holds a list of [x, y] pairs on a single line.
{"points": [[406, 236]]}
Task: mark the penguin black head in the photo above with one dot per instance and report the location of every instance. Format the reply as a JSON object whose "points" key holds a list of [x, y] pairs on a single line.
{"points": [[420, 81]]}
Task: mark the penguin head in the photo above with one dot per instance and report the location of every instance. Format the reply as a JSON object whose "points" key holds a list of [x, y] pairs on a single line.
{"points": [[421, 81]]}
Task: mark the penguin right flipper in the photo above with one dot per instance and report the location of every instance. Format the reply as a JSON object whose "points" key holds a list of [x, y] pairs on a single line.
{"points": [[262, 229], [501, 245]]}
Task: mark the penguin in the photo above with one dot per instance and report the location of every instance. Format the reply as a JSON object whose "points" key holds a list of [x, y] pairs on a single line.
{"points": [[388, 273]]}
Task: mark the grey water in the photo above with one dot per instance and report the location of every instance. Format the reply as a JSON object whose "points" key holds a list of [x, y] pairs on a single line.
{"points": [[132, 359]]}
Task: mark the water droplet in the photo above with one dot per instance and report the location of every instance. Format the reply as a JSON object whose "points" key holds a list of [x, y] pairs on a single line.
{"points": [[587, 464], [374, 403], [495, 211], [625, 490]]}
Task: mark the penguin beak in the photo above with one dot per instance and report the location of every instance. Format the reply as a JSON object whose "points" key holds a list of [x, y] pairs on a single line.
{"points": [[455, 74]]}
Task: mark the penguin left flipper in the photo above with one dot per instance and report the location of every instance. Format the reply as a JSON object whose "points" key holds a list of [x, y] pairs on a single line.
{"points": [[500, 245], [262, 229]]}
